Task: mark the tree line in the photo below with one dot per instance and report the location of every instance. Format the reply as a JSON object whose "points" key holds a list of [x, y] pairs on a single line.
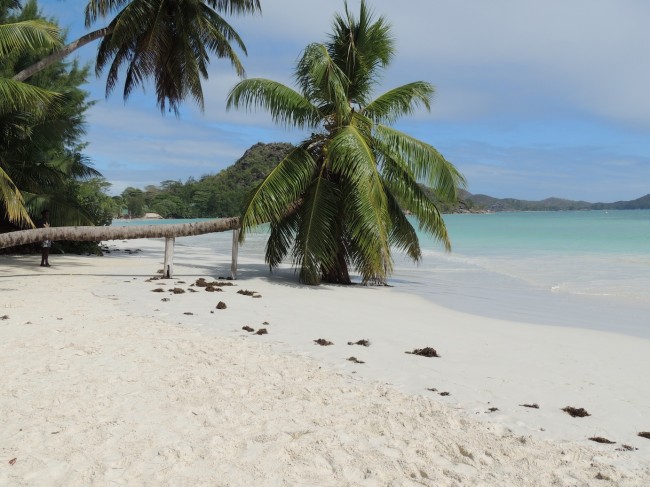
{"points": [[211, 196]]}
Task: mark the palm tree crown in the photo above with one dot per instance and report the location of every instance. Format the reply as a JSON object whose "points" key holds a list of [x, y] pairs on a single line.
{"points": [[337, 200], [168, 42]]}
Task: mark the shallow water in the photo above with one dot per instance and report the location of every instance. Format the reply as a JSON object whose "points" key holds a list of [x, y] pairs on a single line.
{"points": [[585, 269]]}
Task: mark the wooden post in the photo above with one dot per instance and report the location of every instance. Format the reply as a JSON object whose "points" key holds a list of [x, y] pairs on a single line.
{"points": [[235, 252], [168, 265]]}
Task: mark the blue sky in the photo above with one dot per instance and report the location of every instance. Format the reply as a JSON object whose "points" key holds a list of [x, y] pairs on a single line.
{"points": [[533, 99]]}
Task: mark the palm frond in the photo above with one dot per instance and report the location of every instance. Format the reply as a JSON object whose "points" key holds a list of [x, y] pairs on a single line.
{"points": [[16, 96], [101, 8], [281, 239], [12, 201], [350, 155], [426, 163], [273, 197], [28, 35], [399, 180], [402, 235], [362, 48], [286, 106], [400, 101], [316, 244], [323, 82], [366, 235]]}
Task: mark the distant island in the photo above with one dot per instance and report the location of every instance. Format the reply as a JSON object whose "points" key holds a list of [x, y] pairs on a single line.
{"points": [[490, 203]]}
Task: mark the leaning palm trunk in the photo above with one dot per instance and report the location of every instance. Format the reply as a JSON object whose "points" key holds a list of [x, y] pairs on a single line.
{"points": [[61, 53], [97, 234]]}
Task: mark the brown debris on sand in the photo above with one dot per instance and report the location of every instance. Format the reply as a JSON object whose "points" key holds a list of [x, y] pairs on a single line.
{"points": [[432, 389], [201, 282], [534, 405], [158, 290], [492, 410], [4, 317], [246, 292], [364, 343], [247, 328], [262, 331], [192, 290], [425, 352], [178, 290], [221, 305], [211, 289], [644, 434], [626, 448], [188, 313], [322, 342], [600, 439], [355, 360], [576, 412], [445, 393]]}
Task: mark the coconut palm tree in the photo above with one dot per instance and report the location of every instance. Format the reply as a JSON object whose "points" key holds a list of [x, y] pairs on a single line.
{"points": [[167, 41], [19, 101], [100, 233], [337, 200]]}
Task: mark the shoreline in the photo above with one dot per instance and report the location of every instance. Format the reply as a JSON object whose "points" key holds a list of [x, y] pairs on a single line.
{"points": [[485, 363]]}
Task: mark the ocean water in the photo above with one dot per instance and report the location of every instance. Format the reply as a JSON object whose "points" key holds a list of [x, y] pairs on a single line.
{"points": [[587, 269]]}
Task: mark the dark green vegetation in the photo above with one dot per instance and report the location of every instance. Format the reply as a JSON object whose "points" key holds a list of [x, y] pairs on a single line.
{"points": [[42, 108], [335, 201], [481, 201], [218, 195], [41, 148]]}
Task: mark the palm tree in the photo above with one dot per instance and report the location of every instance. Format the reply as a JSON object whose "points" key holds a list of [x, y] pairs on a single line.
{"points": [[337, 200], [19, 101], [168, 41], [99, 233]]}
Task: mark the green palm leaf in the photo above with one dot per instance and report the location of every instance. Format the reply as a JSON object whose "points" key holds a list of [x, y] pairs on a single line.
{"points": [[402, 234], [12, 201], [274, 197], [281, 239], [323, 82], [400, 101], [426, 163], [286, 106], [316, 243], [399, 181], [28, 35]]}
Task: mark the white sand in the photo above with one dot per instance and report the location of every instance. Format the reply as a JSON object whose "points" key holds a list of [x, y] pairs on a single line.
{"points": [[105, 384]]}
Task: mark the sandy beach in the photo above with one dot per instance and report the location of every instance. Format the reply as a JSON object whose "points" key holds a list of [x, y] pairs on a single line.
{"points": [[106, 382]]}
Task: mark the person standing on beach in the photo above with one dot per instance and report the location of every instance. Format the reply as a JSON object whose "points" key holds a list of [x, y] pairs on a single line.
{"points": [[44, 222]]}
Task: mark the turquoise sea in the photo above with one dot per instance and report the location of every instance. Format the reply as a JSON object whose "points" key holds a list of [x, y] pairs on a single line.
{"points": [[585, 269]]}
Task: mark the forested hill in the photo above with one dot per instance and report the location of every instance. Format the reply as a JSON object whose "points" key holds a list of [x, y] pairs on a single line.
{"points": [[230, 186], [551, 204], [215, 195]]}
